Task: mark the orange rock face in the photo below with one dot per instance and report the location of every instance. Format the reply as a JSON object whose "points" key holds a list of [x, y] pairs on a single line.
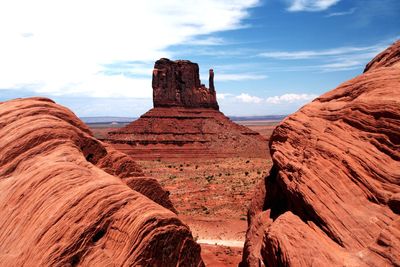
{"points": [[332, 195], [67, 199]]}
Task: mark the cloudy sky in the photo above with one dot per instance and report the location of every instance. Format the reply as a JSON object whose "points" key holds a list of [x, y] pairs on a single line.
{"points": [[269, 56]]}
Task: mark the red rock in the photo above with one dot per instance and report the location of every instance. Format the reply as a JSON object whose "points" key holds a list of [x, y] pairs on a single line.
{"points": [[150, 188], [387, 58], [185, 121], [67, 199], [332, 195], [177, 84]]}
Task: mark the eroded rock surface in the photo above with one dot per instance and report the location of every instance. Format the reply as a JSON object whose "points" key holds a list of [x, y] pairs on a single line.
{"points": [[66, 199], [185, 121], [177, 84], [332, 195]]}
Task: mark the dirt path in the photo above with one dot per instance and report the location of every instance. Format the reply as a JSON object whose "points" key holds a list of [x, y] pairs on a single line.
{"points": [[225, 243]]}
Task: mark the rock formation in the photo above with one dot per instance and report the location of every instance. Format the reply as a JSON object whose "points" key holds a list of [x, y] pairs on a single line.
{"points": [[332, 196], [67, 199], [177, 84], [185, 121]]}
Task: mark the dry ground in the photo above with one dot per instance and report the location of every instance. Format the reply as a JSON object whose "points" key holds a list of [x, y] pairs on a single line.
{"points": [[212, 196]]}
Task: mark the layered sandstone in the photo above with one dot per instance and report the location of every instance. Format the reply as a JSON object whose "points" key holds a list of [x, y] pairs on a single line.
{"points": [[67, 199], [332, 195], [185, 121]]}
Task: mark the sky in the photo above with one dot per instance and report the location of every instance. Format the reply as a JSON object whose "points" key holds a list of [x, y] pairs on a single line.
{"points": [[269, 56]]}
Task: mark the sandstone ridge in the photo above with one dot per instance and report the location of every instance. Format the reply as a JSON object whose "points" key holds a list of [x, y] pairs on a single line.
{"points": [[332, 196], [67, 199]]}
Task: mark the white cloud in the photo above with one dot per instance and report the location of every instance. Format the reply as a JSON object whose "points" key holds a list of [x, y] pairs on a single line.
{"points": [[328, 60], [107, 86], [276, 100], [239, 76], [246, 98], [206, 41], [290, 98], [340, 65], [311, 5], [344, 13], [307, 54], [221, 96], [62, 47]]}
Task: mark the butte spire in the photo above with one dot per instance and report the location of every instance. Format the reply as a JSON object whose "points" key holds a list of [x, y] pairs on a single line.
{"points": [[185, 121]]}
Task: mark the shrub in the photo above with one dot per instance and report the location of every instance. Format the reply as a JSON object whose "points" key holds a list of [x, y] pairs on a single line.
{"points": [[209, 178]]}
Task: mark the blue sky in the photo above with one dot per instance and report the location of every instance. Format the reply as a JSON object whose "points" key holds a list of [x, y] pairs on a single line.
{"points": [[269, 56]]}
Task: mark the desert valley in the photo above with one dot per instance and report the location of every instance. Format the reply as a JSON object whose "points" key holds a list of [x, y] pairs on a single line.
{"points": [[184, 185], [213, 133], [208, 163]]}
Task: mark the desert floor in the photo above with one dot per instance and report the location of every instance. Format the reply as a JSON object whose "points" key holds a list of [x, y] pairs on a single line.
{"points": [[212, 195]]}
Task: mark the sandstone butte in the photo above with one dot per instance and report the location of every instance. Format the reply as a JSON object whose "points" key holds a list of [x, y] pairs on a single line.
{"points": [[185, 121], [332, 197], [67, 199]]}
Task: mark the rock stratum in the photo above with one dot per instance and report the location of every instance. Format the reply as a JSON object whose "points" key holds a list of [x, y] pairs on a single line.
{"points": [[332, 197], [67, 199], [185, 121]]}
